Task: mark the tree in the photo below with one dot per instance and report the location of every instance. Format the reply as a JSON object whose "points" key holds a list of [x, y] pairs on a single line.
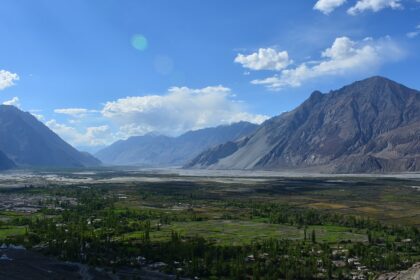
{"points": [[313, 236]]}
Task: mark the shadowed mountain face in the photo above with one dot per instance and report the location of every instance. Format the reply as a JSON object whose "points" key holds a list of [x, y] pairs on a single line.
{"points": [[5, 162], [29, 143], [369, 126], [158, 150]]}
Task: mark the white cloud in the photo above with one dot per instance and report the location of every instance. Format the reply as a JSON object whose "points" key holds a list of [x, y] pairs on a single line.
{"points": [[7, 79], [14, 102], [71, 111], [179, 110], [374, 5], [415, 33], [264, 59], [327, 6], [74, 112], [343, 57], [91, 136], [40, 117], [37, 114]]}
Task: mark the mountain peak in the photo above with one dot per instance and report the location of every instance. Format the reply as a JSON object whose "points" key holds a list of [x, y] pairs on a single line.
{"points": [[9, 108], [375, 82], [370, 82], [376, 89], [377, 79]]}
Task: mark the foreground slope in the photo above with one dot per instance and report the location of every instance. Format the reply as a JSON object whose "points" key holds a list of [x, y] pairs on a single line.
{"points": [[29, 143], [369, 126], [158, 150]]}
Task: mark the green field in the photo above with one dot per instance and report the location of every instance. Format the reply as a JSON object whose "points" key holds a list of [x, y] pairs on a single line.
{"points": [[228, 232], [9, 231]]}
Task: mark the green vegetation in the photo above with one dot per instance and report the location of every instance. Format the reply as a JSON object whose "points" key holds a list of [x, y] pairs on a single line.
{"points": [[10, 231], [292, 229]]}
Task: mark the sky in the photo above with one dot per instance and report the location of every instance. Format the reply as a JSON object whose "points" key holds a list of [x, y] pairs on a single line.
{"points": [[96, 71]]}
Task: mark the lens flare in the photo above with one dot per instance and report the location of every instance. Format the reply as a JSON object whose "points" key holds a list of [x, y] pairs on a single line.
{"points": [[139, 42], [163, 64]]}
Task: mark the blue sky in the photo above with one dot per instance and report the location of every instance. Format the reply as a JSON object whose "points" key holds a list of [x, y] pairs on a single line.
{"points": [[100, 70]]}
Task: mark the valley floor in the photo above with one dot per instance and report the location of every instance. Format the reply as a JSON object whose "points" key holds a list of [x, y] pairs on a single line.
{"points": [[215, 225]]}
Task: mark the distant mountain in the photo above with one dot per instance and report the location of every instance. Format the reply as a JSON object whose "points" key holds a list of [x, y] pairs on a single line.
{"points": [[369, 126], [158, 150], [5, 162], [29, 143]]}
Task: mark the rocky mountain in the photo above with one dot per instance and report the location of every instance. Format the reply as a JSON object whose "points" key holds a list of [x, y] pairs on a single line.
{"points": [[158, 150], [5, 162], [372, 125], [29, 143]]}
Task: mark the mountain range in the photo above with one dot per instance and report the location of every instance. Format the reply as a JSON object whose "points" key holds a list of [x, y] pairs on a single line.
{"points": [[27, 142], [371, 125], [162, 151]]}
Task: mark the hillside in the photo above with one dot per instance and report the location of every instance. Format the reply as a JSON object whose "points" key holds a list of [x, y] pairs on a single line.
{"points": [[369, 126], [158, 150], [5, 162], [29, 143]]}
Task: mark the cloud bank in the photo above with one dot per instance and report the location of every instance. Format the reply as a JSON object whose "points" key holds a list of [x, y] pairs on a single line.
{"points": [[328, 6], [176, 111], [90, 136], [374, 6], [179, 110], [345, 56]]}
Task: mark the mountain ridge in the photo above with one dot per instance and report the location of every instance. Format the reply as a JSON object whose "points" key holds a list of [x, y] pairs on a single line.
{"points": [[371, 125], [159, 150], [29, 143]]}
